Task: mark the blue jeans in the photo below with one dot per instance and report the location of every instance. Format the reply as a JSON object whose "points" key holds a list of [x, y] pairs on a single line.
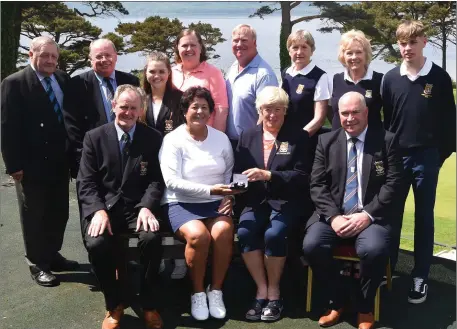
{"points": [[422, 167]]}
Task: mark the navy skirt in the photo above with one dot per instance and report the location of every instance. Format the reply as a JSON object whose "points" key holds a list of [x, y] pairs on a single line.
{"points": [[179, 213]]}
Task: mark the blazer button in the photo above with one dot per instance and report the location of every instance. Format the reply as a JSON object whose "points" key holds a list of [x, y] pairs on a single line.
{"points": [[85, 117], [41, 124], [109, 205], [45, 158]]}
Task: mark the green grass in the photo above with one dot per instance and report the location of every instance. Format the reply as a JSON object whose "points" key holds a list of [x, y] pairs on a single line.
{"points": [[445, 210]]}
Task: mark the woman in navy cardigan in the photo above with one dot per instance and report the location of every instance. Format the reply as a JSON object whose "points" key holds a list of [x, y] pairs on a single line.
{"points": [[355, 55], [276, 162]]}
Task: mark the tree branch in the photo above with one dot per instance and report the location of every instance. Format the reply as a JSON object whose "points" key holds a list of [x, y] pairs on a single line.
{"points": [[294, 4], [304, 18]]}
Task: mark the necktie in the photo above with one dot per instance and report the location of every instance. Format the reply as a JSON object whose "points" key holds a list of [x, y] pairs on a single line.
{"points": [[53, 99], [109, 95], [125, 149], [351, 197]]}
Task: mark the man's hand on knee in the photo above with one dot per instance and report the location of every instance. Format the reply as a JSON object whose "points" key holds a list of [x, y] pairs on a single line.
{"points": [[99, 223], [148, 220]]}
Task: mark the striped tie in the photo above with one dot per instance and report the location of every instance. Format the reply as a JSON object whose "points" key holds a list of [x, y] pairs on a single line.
{"points": [[351, 197], [109, 95], [53, 99]]}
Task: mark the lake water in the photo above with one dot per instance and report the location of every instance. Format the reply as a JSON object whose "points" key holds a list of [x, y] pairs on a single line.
{"points": [[226, 15]]}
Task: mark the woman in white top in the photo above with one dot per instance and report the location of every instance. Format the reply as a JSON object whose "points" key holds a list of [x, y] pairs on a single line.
{"points": [[197, 162]]}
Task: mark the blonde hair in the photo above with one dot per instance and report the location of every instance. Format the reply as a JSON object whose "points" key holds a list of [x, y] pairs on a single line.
{"points": [[245, 27], [272, 95], [408, 30], [301, 35], [351, 36]]}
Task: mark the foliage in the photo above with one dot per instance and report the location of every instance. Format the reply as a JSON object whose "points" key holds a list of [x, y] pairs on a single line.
{"points": [[117, 40], [286, 24], [71, 32], [159, 33], [379, 21]]}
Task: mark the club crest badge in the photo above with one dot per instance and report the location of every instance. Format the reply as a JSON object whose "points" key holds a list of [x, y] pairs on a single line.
{"points": [[143, 168], [300, 89], [427, 90], [368, 93], [379, 167], [168, 125], [283, 148]]}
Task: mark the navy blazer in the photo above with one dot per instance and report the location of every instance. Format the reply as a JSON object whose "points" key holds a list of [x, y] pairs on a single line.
{"points": [[168, 111], [84, 108], [289, 164], [32, 138], [382, 172], [101, 182]]}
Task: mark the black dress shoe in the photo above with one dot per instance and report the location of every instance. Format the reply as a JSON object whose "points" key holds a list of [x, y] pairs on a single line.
{"points": [[45, 279], [61, 264]]}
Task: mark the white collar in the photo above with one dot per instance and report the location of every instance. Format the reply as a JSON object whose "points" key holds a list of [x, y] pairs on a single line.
{"points": [[120, 132], [304, 71], [368, 75], [40, 76], [361, 137], [423, 71]]}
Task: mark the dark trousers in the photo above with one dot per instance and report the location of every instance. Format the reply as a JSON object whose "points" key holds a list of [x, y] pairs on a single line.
{"points": [[372, 247], [421, 172], [264, 228], [103, 257], [43, 211]]}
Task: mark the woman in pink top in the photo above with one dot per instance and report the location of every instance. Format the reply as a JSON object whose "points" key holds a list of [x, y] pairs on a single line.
{"points": [[192, 70]]}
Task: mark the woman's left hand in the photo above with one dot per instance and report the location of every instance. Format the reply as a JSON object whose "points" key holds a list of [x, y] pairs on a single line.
{"points": [[226, 206], [256, 174]]}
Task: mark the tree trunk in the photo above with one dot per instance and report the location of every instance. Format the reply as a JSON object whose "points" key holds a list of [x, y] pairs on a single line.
{"points": [[444, 46], [286, 29], [11, 30]]}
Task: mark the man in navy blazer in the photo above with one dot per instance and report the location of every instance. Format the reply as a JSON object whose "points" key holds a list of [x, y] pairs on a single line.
{"points": [[356, 175], [34, 149], [119, 189], [88, 104]]}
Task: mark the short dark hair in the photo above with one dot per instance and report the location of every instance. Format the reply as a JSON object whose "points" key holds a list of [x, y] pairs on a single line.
{"points": [[190, 94], [183, 33]]}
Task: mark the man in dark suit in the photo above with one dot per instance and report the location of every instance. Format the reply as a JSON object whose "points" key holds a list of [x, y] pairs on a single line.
{"points": [[34, 149], [356, 174], [89, 103], [119, 188]]}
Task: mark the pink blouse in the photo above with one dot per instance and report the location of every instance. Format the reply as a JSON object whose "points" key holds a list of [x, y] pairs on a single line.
{"points": [[210, 77]]}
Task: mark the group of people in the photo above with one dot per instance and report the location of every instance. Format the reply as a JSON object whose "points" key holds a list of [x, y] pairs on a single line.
{"points": [[163, 156]]}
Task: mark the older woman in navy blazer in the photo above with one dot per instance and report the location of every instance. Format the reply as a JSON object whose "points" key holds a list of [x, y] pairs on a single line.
{"points": [[277, 165]]}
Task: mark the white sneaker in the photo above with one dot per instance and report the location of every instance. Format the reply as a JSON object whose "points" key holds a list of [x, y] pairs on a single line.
{"points": [[180, 269], [216, 303], [199, 307]]}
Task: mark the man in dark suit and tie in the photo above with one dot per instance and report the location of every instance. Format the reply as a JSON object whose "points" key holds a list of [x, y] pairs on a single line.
{"points": [[34, 149], [119, 188], [356, 175], [89, 103]]}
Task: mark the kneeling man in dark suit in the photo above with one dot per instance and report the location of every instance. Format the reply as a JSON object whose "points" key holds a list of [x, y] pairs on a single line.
{"points": [[356, 174], [119, 188]]}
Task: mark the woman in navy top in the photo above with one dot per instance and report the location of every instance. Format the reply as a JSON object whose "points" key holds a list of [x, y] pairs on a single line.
{"points": [[306, 85], [355, 55]]}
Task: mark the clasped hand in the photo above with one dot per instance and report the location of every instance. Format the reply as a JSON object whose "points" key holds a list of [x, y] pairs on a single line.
{"points": [[347, 226], [100, 222]]}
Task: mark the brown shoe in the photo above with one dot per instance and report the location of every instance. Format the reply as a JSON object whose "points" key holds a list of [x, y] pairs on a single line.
{"points": [[365, 320], [113, 318], [153, 320], [330, 318]]}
